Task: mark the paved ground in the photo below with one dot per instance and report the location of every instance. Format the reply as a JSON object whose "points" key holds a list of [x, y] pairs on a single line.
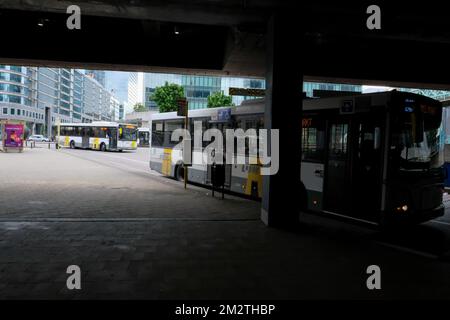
{"points": [[138, 235]]}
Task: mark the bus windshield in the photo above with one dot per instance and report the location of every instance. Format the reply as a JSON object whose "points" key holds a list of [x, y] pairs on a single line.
{"points": [[127, 133], [418, 142]]}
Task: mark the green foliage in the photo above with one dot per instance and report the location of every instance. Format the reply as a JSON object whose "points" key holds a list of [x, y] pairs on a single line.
{"points": [[218, 99], [166, 96], [139, 107]]}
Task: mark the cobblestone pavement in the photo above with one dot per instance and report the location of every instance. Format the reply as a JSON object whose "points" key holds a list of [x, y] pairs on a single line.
{"points": [[139, 236]]}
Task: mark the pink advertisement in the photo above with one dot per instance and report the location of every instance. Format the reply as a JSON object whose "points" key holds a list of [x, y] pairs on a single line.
{"points": [[14, 135]]}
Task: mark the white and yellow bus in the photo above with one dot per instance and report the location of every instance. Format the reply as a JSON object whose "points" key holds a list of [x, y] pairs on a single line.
{"points": [[242, 179], [103, 136], [376, 158]]}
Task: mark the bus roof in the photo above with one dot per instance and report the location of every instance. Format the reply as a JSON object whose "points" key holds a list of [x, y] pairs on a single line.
{"points": [[96, 124], [256, 106], [197, 113], [360, 101]]}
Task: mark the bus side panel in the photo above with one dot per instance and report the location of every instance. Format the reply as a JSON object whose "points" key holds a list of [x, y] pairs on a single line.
{"points": [[197, 174], [77, 141], [126, 145], [156, 159], [238, 178], [198, 171], [64, 141], [312, 178], [94, 143]]}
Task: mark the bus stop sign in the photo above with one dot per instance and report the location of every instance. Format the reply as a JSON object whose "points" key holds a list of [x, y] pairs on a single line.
{"points": [[182, 105]]}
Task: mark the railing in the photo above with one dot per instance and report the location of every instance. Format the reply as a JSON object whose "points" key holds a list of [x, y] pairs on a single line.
{"points": [[39, 144]]}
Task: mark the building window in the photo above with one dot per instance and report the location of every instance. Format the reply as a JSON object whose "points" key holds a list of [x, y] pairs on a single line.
{"points": [[5, 110]]}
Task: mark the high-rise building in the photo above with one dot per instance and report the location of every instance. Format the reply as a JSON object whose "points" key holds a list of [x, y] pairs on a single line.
{"points": [[197, 88], [121, 112], [116, 82], [40, 96], [309, 87], [136, 88], [141, 87], [115, 109], [99, 75]]}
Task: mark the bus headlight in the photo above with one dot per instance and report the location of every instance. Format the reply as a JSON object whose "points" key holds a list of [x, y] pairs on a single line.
{"points": [[402, 208]]}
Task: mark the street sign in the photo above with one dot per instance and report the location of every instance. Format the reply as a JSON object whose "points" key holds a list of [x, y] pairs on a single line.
{"points": [[224, 114], [347, 107], [182, 105], [249, 92]]}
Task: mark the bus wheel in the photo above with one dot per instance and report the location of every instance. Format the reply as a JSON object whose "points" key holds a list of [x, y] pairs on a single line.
{"points": [[72, 144], [103, 147], [179, 172]]}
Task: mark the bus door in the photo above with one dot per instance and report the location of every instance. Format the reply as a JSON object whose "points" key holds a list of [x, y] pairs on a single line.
{"points": [[222, 126], [112, 133], [85, 137], [336, 182], [366, 169]]}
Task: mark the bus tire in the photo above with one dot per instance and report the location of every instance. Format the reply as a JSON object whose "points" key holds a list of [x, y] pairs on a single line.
{"points": [[102, 147], [72, 144]]}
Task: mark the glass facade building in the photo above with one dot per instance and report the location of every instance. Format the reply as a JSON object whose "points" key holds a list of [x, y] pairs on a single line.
{"points": [[141, 86], [40, 96], [309, 87]]}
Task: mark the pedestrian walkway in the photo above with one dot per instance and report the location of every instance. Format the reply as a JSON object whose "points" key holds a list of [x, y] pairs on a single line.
{"points": [[137, 236], [43, 183]]}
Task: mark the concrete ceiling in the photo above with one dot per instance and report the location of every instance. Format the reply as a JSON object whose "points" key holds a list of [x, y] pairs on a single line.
{"points": [[228, 38]]}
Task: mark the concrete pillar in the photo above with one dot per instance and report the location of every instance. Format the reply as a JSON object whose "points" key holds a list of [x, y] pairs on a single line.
{"points": [[282, 194]]}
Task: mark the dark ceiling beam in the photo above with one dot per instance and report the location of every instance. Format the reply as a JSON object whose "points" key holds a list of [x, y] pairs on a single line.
{"points": [[208, 12]]}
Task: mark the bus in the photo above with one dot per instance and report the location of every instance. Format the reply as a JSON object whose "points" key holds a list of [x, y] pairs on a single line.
{"points": [[103, 136], [143, 137], [375, 158]]}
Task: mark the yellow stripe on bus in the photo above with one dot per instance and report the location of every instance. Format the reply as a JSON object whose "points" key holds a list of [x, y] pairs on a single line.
{"points": [[167, 162], [66, 141], [254, 175], [96, 143]]}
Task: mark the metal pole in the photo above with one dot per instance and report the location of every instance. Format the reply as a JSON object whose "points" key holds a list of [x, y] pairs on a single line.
{"points": [[185, 166], [58, 129]]}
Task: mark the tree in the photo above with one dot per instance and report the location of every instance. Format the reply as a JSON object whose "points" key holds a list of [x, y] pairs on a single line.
{"points": [[139, 107], [166, 96], [218, 99]]}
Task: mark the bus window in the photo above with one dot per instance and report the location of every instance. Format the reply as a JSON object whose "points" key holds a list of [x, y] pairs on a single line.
{"points": [[169, 127], [313, 140], [157, 134], [128, 133], [338, 139]]}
